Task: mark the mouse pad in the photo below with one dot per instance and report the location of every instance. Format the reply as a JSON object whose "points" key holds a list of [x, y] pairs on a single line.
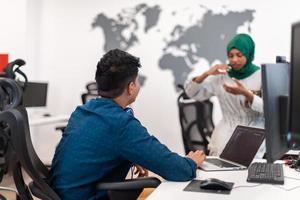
{"points": [[194, 186]]}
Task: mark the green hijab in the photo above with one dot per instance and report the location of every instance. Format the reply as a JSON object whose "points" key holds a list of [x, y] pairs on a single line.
{"points": [[245, 44]]}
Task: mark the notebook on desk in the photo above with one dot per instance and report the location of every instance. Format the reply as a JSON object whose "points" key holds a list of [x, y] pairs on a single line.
{"points": [[238, 152]]}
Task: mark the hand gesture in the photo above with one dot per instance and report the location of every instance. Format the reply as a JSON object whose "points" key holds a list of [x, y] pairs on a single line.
{"points": [[218, 69], [239, 89], [215, 70]]}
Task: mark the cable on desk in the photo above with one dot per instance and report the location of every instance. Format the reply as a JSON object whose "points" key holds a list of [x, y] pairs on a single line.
{"points": [[246, 186], [288, 177], [293, 188]]}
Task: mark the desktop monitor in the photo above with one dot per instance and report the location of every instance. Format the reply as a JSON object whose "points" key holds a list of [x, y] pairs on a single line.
{"points": [[294, 100], [35, 94], [275, 82]]}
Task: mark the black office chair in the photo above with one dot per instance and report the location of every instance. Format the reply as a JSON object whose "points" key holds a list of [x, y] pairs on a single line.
{"points": [[91, 93], [85, 97], [10, 98], [91, 87], [15, 124], [196, 122]]}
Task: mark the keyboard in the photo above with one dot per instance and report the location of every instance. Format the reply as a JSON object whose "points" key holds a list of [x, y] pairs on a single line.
{"points": [[266, 173]]}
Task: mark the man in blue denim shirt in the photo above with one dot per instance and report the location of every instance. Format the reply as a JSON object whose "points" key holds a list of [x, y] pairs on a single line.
{"points": [[103, 138]]}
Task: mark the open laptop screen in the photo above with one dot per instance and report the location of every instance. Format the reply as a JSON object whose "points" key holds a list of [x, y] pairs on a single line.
{"points": [[243, 145]]}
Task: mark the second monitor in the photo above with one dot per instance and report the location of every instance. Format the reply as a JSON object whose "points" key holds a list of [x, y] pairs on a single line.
{"points": [[275, 81], [35, 94]]}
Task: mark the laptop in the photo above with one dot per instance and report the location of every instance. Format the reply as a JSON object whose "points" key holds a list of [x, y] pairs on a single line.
{"points": [[238, 152]]}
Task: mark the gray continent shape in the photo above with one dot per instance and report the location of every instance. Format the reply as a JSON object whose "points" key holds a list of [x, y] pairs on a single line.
{"points": [[113, 32], [113, 28], [151, 16]]}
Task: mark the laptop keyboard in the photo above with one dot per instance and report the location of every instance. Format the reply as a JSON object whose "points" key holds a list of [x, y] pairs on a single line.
{"points": [[220, 163]]}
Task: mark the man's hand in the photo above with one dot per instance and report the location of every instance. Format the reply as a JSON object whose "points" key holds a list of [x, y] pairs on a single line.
{"points": [[142, 172], [197, 156]]}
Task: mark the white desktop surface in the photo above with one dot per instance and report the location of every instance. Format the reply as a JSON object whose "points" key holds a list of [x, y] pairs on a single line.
{"points": [[42, 120], [174, 190]]}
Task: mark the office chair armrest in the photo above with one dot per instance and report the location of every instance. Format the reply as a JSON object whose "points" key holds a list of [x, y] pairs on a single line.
{"points": [[130, 184], [60, 128]]}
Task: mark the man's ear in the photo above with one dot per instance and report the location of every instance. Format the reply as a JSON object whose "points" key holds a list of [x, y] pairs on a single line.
{"points": [[130, 88]]}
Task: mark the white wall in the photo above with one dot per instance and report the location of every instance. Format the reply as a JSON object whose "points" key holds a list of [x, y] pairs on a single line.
{"points": [[63, 49], [13, 28]]}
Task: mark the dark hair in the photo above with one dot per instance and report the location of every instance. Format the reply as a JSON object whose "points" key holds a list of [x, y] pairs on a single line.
{"points": [[114, 71]]}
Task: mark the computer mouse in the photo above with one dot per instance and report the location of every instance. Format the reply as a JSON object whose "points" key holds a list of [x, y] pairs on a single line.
{"points": [[214, 184]]}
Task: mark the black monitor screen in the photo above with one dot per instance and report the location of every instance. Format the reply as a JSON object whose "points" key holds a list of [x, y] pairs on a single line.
{"points": [[35, 94], [294, 126], [275, 81]]}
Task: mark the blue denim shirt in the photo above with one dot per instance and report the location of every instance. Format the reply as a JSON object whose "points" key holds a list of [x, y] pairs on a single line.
{"points": [[100, 143]]}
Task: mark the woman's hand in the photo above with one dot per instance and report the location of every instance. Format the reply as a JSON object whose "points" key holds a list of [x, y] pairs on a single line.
{"points": [[239, 89], [218, 69], [141, 171], [215, 70]]}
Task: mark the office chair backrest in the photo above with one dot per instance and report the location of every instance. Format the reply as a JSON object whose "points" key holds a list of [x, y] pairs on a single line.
{"points": [[91, 93], [196, 122], [10, 94], [10, 98], [17, 121], [91, 87], [85, 97]]}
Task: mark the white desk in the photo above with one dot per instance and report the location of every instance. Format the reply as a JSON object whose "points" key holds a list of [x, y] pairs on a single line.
{"points": [[174, 190], [41, 120]]}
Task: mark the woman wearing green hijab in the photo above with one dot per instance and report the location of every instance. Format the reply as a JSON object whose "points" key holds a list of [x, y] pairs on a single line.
{"points": [[235, 86]]}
